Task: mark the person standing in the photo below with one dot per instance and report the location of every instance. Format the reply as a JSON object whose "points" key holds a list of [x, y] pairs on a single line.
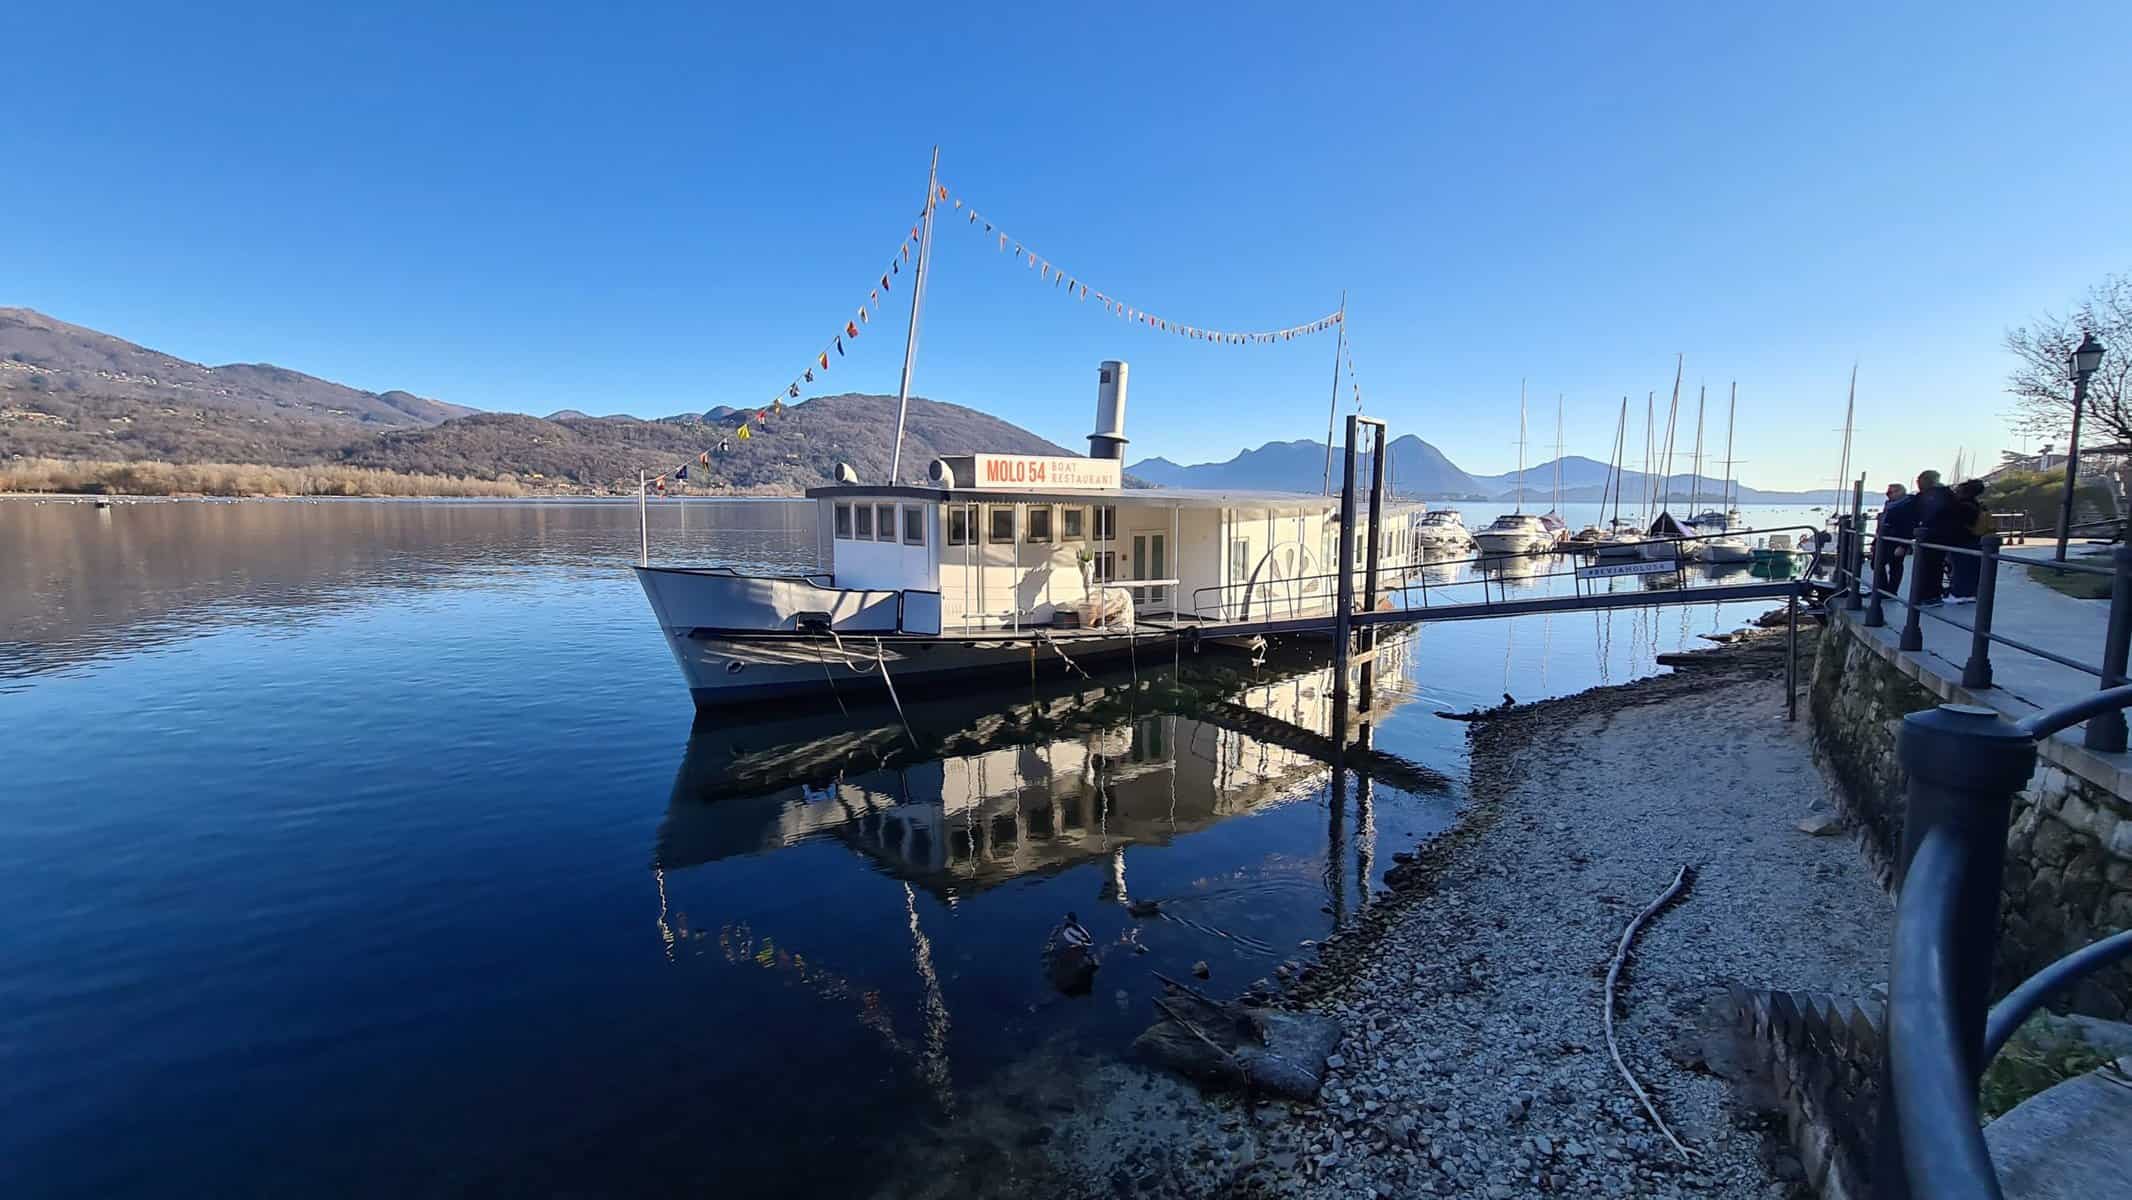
{"points": [[1968, 521], [1898, 519], [1935, 526]]}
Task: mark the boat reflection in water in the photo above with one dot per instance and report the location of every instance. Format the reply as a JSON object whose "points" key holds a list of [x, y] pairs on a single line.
{"points": [[973, 793]]}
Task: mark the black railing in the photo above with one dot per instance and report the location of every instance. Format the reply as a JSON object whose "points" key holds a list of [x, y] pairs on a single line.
{"points": [[1865, 589], [1965, 765], [1296, 594]]}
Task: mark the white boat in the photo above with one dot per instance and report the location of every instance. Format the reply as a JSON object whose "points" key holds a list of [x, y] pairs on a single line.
{"points": [[1001, 559], [1515, 533], [1519, 532], [1442, 529]]}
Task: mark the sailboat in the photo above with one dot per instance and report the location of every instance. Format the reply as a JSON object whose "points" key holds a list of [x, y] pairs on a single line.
{"points": [[1662, 537], [1552, 518], [1618, 538], [1517, 532], [1720, 544]]}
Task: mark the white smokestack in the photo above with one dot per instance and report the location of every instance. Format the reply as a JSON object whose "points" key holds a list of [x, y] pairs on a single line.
{"points": [[1108, 441]]}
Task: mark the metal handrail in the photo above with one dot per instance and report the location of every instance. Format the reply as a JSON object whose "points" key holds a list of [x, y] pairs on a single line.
{"points": [[1935, 1078], [1200, 604], [1965, 766]]}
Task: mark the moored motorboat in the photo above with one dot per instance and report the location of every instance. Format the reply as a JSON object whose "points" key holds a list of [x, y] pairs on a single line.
{"points": [[1515, 533]]}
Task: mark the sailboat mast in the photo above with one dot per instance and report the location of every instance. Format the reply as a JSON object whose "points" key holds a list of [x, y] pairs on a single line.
{"points": [[1521, 447], [910, 340], [1621, 429], [1650, 415], [1665, 489], [1556, 507], [1732, 412], [1332, 408], [1695, 475], [1843, 464]]}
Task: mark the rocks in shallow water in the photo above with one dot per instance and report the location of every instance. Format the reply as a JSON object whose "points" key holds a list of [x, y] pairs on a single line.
{"points": [[1231, 1045], [1200, 969]]}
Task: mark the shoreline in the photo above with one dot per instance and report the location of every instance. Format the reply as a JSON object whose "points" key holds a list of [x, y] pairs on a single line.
{"points": [[1474, 1061]]}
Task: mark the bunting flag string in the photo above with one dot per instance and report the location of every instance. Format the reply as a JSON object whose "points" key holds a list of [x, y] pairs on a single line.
{"points": [[761, 419], [1057, 276]]}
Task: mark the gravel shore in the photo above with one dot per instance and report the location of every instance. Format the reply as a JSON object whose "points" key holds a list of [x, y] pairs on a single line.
{"points": [[1476, 1061]]}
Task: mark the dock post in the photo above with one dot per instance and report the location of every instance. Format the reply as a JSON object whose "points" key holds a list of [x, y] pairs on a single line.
{"points": [[1854, 599], [1376, 536], [643, 526], [1344, 598], [1976, 673]]}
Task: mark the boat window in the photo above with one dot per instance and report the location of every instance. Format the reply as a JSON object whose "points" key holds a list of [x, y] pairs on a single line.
{"points": [[1239, 559], [844, 520], [1040, 523], [885, 522], [959, 516], [913, 525], [1001, 528], [1073, 523], [1106, 523], [863, 522]]}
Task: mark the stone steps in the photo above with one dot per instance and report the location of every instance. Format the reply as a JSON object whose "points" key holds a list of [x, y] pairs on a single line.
{"points": [[2070, 1142]]}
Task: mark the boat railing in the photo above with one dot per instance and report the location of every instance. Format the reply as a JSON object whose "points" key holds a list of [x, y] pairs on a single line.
{"points": [[1417, 584]]}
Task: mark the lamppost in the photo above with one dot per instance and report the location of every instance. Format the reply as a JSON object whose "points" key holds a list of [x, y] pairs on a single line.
{"points": [[2085, 358]]}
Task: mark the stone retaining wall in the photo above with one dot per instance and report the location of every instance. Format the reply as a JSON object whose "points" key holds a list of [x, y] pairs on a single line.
{"points": [[2069, 847]]}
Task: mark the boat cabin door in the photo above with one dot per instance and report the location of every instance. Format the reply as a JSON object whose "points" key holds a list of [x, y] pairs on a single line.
{"points": [[1151, 560]]}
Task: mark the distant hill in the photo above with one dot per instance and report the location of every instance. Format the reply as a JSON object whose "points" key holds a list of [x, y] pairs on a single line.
{"points": [[74, 393], [1417, 468], [70, 392], [1420, 469], [797, 449]]}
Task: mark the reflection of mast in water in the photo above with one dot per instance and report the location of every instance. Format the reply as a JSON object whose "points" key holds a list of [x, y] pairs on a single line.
{"points": [[1335, 834], [935, 1065], [1547, 637], [1510, 641], [1603, 638], [1365, 823], [666, 931]]}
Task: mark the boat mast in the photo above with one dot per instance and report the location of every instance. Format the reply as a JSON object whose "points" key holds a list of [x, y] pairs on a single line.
{"points": [[1614, 471], [1665, 489], [1556, 507], [1650, 415], [1732, 412], [1843, 464], [1695, 477], [1521, 448], [1332, 407], [910, 340]]}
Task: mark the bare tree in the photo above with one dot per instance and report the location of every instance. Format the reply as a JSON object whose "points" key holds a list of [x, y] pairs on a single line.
{"points": [[2041, 385]]}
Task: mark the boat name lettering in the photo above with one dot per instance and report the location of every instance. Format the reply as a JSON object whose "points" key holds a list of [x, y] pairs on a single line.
{"points": [[1044, 472]]}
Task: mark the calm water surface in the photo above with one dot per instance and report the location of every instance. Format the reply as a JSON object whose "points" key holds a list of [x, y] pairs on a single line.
{"points": [[363, 847]]}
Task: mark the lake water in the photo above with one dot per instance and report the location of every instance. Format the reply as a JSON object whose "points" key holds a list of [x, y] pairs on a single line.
{"points": [[356, 847]]}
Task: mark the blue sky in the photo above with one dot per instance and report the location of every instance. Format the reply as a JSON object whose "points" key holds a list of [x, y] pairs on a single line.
{"points": [[654, 209]]}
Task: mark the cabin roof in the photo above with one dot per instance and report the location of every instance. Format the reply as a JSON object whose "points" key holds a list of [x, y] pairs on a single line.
{"points": [[1141, 497]]}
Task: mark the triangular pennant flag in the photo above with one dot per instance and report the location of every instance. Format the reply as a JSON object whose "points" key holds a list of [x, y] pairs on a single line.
{"points": [[1002, 241], [809, 376], [906, 252], [958, 202], [943, 191], [851, 330], [742, 433], [704, 459], [761, 417], [823, 357], [778, 405], [681, 472], [840, 347], [896, 268], [793, 391]]}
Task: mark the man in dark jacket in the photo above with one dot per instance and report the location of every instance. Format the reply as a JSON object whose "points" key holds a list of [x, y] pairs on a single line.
{"points": [[1898, 519], [1938, 524]]}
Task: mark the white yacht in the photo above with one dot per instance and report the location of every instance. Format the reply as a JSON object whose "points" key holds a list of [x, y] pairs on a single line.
{"points": [[1516, 533], [1442, 529], [1004, 559]]}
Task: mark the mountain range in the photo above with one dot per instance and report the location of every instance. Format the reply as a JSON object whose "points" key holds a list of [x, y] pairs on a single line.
{"points": [[1416, 468], [68, 392]]}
